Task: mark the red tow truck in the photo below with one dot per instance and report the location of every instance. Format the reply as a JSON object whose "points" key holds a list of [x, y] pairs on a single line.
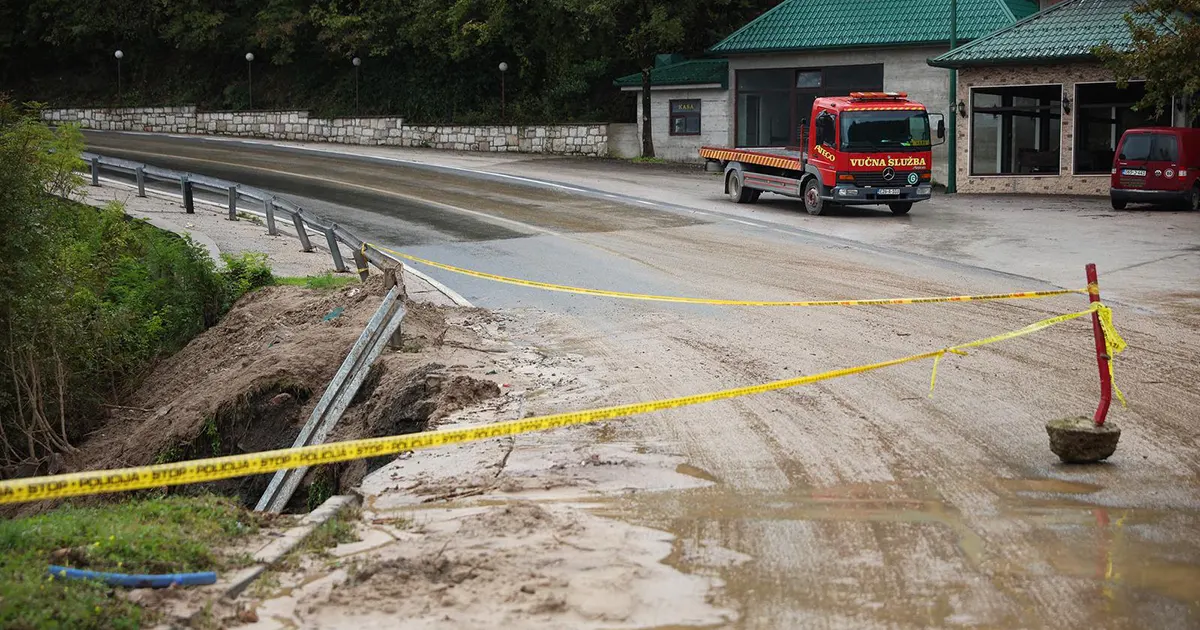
{"points": [[863, 149]]}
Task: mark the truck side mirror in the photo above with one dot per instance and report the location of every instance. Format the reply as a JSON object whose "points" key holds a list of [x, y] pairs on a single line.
{"points": [[939, 132]]}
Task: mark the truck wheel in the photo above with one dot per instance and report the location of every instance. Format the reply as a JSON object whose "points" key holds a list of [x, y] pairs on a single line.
{"points": [[1117, 204], [812, 197], [737, 190], [900, 207]]}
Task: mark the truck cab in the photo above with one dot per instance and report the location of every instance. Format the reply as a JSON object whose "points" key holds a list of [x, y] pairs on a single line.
{"points": [[868, 148]]}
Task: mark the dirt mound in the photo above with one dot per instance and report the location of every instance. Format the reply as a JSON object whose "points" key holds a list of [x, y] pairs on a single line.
{"points": [[249, 384], [267, 357], [399, 398]]}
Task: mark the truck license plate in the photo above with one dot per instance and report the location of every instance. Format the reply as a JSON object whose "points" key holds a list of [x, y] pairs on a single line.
{"points": [[889, 191], [1136, 172]]}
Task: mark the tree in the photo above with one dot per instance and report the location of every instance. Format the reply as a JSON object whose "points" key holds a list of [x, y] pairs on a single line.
{"points": [[656, 30], [1165, 46]]}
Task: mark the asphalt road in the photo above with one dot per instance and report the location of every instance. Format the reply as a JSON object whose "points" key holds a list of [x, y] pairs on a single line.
{"points": [[861, 501]]}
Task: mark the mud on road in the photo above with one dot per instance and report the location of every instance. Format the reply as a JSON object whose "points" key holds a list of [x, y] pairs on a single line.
{"points": [[860, 502]]}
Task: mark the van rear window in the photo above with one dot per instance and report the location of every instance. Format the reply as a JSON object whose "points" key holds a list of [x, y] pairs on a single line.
{"points": [[1159, 147]]}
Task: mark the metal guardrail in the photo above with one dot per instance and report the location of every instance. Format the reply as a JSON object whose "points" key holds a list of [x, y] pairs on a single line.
{"points": [[274, 208], [382, 329], [379, 332]]}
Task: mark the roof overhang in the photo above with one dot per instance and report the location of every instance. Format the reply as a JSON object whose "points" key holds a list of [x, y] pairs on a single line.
{"points": [[681, 86], [1014, 61]]}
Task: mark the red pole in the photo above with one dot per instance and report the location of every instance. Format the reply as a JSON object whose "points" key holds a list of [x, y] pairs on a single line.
{"points": [[1102, 357]]}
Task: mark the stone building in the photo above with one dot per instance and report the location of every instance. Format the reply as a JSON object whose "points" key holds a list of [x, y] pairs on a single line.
{"points": [[804, 49], [1037, 112]]}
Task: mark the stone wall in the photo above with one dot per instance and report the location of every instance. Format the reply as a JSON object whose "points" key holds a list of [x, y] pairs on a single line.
{"points": [[159, 119], [1065, 182], [567, 139]]}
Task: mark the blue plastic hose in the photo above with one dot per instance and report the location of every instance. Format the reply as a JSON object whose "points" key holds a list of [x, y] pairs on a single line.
{"points": [[135, 581]]}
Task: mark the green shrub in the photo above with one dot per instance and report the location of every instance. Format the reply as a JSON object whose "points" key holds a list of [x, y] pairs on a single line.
{"points": [[89, 299], [244, 273]]}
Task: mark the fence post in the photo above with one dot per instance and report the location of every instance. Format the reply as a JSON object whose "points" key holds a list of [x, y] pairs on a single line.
{"points": [[396, 341], [298, 221], [185, 186], [95, 171], [334, 249], [233, 203], [269, 209], [360, 261], [1102, 358], [140, 173]]}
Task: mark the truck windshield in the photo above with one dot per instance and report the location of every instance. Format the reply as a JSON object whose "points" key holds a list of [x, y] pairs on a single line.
{"points": [[885, 130]]}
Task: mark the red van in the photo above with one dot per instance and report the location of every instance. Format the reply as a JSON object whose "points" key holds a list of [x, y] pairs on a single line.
{"points": [[1157, 165]]}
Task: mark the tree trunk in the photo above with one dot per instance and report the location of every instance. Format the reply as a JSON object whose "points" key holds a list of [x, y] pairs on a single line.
{"points": [[647, 127]]}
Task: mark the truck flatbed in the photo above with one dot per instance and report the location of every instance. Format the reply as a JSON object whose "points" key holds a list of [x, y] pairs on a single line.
{"points": [[775, 158]]}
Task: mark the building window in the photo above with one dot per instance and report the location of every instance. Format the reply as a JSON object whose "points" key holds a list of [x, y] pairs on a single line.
{"points": [[1102, 113], [1016, 130], [773, 104], [685, 117]]}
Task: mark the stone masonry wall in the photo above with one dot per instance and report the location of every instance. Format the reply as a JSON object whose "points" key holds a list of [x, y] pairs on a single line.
{"points": [[568, 139], [1065, 183]]}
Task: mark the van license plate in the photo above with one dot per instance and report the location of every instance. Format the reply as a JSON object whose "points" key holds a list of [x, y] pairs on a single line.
{"points": [[1136, 172], [891, 191]]}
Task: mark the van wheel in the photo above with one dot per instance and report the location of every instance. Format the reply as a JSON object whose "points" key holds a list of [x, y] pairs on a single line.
{"points": [[1193, 200], [900, 207], [812, 197], [737, 190], [1118, 204]]}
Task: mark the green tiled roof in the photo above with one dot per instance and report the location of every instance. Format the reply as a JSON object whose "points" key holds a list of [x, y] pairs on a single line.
{"points": [[1069, 30], [694, 72], [819, 24]]}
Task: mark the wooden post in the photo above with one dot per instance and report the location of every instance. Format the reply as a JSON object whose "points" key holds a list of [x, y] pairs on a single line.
{"points": [[140, 173], [364, 268]]}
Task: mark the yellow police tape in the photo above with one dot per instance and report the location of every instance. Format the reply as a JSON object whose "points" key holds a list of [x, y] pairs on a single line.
{"points": [[195, 471], [715, 302]]}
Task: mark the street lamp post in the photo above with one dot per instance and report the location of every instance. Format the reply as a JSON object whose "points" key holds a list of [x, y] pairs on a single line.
{"points": [[952, 141], [250, 77], [503, 69], [357, 62], [119, 55]]}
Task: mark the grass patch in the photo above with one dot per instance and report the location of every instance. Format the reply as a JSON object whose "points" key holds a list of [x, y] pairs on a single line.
{"points": [[647, 160], [337, 530], [253, 218], [164, 535], [327, 282]]}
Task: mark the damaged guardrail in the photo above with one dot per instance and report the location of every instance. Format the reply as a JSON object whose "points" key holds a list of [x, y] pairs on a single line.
{"points": [[273, 207], [383, 327]]}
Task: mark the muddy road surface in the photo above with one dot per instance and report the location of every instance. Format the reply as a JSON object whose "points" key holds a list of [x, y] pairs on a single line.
{"points": [[858, 502]]}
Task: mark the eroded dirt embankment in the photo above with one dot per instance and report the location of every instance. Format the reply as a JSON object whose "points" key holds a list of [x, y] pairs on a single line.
{"points": [[250, 383]]}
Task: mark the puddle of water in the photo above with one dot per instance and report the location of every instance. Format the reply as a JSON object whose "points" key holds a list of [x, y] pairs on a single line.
{"points": [[697, 472], [883, 554], [1056, 486]]}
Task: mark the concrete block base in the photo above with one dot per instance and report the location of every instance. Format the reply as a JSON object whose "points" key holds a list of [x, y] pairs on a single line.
{"points": [[1079, 441]]}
